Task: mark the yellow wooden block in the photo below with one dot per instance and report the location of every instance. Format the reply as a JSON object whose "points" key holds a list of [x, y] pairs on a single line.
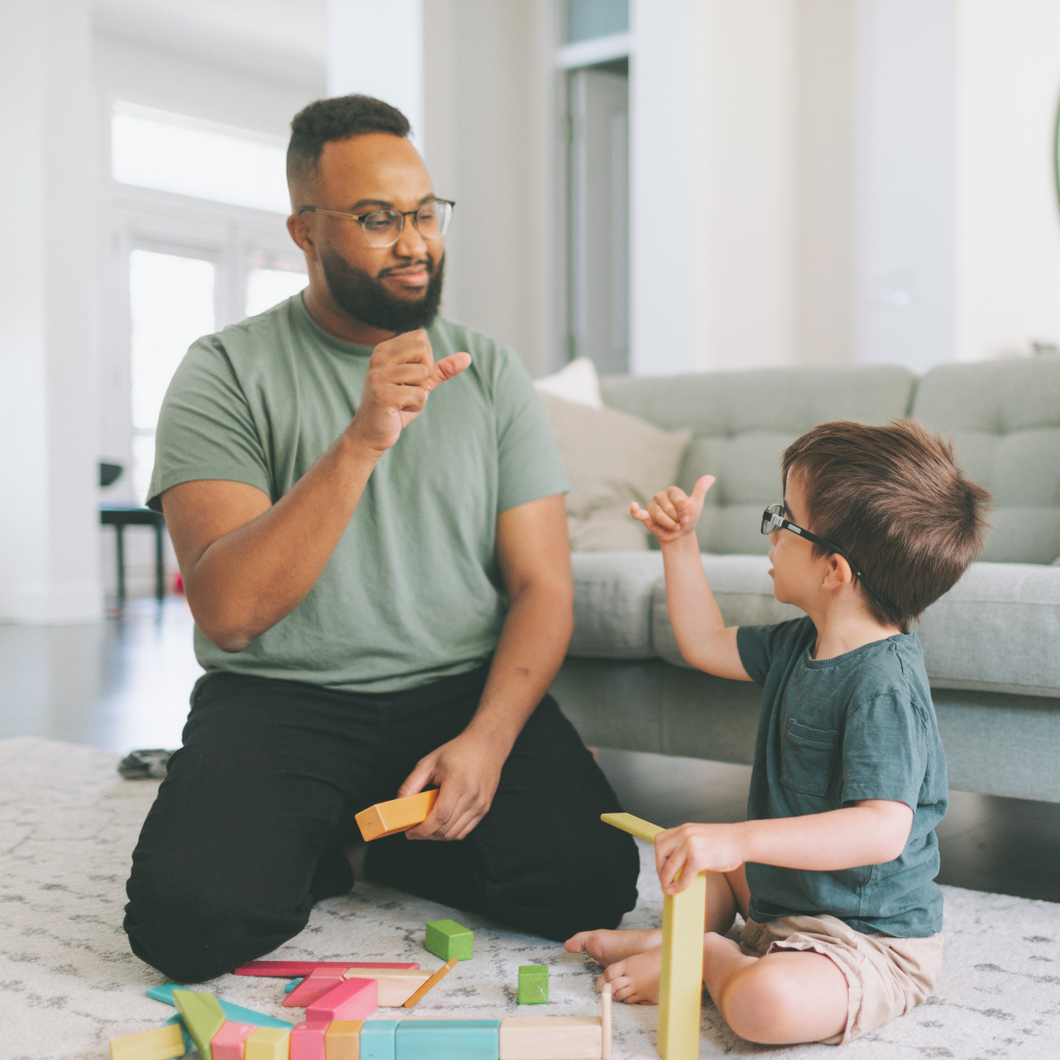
{"points": [[397, 815], [268, 1043], [162, 1043], [396, 985], [681, 982], [634, 825], [342, 1040], [550, 1038]]}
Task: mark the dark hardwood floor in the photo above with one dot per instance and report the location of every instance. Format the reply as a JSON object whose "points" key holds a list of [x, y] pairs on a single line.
{"points": [[124, 683]]}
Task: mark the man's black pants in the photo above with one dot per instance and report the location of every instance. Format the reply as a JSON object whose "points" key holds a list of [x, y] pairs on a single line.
{"points": [[246, 831]]}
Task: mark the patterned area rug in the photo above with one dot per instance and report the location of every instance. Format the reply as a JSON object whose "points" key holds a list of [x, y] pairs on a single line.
{"points": [[68, 982]]}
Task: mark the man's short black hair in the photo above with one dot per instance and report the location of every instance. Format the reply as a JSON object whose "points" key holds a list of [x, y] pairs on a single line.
{"points": [[339, 118]]}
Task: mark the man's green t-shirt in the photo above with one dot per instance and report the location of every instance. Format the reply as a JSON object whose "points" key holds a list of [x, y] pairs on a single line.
{"points": [[412, 592]]}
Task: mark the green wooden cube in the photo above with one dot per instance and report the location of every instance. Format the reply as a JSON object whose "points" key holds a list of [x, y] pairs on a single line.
{"points": [[448, 939], [533, 984]]}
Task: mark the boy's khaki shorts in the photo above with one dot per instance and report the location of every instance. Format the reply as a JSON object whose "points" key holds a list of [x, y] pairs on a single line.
{"points": [[886, 977]]}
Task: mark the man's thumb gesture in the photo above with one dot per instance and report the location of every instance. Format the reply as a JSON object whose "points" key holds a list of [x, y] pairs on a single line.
{"points": [[446, 368]]}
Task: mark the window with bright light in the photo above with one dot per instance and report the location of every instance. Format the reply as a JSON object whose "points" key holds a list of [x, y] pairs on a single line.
{"points": [[267, 287], [172, 303], [171, 152]]}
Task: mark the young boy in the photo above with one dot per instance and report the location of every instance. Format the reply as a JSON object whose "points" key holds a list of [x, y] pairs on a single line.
{"points": [[834, 870]]}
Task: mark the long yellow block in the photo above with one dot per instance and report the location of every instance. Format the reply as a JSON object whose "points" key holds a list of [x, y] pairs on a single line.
{"points": [[637, 826], [162, 1043], [268, 1043], [397, 815], [681, 982]]}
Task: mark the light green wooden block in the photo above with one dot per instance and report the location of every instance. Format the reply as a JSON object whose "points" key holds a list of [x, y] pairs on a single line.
{"points": [[448, 939], [533, 984], [203, 1017]]}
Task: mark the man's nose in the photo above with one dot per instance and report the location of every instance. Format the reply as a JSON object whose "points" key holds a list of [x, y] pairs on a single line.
{"points": [[411, 243]]}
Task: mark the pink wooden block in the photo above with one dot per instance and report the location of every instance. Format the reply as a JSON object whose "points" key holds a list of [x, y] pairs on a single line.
{"points": [[307, 1041], [352, 999], [315, 985], [290, 969], [228, 1042]]}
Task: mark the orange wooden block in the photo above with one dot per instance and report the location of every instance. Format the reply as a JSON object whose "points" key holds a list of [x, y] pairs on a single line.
{"points": [[396, 985], [342, 1040], [397, 815], [432, 982]]}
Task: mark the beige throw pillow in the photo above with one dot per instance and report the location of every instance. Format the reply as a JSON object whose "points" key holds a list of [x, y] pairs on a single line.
{"points": [[611, 458]]}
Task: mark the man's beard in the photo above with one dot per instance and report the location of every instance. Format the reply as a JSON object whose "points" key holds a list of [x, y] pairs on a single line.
{"points": [[365, 298]]}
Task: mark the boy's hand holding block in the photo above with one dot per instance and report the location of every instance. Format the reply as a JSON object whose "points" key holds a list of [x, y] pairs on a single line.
{"points": [[397, 815]]}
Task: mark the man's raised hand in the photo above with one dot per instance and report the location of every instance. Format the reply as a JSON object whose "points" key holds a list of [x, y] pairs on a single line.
{"points": [[401, 373], [672, 513]]}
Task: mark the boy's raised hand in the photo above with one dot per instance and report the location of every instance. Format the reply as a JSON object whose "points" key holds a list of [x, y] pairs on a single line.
{"points": [[672, 513]]}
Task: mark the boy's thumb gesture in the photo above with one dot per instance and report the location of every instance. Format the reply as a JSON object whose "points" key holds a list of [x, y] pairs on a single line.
{"points": [[699, 494]]}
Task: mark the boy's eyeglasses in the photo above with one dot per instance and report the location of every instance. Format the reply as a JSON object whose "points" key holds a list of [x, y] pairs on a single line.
{"points": [[383, 228], [773, 519]]}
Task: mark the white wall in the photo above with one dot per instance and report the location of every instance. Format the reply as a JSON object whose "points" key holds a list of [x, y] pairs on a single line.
{"points": [[48, 361], [1008, 224]]}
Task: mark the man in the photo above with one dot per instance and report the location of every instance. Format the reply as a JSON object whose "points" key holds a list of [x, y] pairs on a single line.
{"points": [[381, 589]]}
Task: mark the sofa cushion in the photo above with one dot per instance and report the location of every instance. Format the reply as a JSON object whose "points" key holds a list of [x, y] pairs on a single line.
{"points": [[996, 630], [1004, 417], [611, 458], [743, 422], [612, 604], [744, 591]]}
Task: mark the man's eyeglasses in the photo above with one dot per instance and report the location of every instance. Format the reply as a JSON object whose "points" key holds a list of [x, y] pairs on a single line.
{"points": [[383, 228], [773, 519]]}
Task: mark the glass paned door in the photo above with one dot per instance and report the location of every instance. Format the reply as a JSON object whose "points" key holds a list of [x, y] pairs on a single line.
{"points": [[172, 302]]}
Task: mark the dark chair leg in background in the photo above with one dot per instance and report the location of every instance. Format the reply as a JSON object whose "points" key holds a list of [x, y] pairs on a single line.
{"points": [[119, 532], [160, 574]]}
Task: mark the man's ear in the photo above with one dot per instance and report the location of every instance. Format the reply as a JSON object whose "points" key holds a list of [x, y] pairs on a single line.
{"points": [[300, 231]]}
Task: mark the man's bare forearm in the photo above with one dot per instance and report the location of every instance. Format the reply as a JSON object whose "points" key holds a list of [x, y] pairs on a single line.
{"points": [[530, 651], [253, 576]]}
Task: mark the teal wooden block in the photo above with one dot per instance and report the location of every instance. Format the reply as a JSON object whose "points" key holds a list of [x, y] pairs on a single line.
{"points": [[448, 939], [235, 1013], [533, 984], [448, 1040], [378, 1040]]}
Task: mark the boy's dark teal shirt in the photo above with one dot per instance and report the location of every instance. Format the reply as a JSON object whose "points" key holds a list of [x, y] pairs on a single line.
{"points": [[832, 732]]}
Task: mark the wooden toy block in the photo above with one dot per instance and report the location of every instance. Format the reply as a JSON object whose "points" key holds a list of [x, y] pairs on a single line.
{"points": [[605, 1022], [432, 982], [681, 981], [378, 1041], [230, 1041], [268, 1043], [342, 1040], [396, 985], [448, 1040], [292, 984], [203, 1017], [285, 969], [636, 826], [533, 984], [352, 999], [236, 1013], [397, 815], [551, 1038], [316, 984], [307, 1041], [162, 1043], [447, 938], [189, 1045]]}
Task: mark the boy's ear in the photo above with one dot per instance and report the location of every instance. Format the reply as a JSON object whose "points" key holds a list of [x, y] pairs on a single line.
{"points": [[837, 572]]}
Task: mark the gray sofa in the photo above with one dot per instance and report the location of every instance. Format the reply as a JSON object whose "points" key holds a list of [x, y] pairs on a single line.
{"points": [[992, 644]]}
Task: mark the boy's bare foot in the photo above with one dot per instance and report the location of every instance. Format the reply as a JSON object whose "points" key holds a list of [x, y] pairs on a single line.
{"points": [[606, 947], [635, 980]]}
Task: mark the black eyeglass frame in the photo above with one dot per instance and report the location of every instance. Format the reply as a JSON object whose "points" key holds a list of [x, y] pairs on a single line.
{"points": [[773, 519], [361, 218]]}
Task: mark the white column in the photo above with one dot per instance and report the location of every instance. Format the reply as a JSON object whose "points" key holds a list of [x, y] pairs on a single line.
{"points": [[905, 181], [375, 47], [49, 533]]}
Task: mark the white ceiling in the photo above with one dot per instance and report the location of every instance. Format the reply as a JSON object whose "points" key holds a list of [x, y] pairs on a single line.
{"points": [[278, 38]]}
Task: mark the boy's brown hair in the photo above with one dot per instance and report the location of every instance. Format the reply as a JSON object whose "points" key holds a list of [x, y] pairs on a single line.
{"points": [[893, 499]]}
